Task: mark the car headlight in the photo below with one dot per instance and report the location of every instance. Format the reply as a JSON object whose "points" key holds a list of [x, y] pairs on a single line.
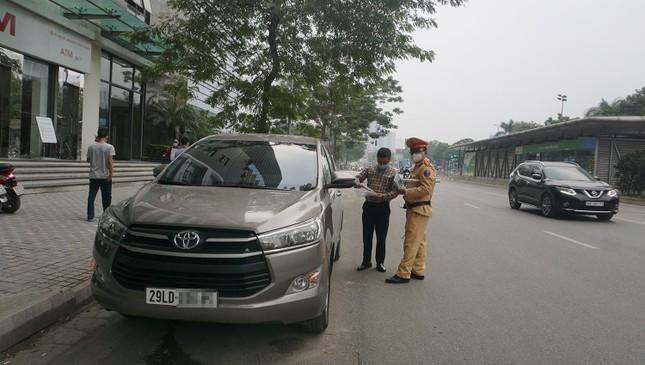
{"points": [[612, 193], [111, 228], [292, 237], [566, 191]]}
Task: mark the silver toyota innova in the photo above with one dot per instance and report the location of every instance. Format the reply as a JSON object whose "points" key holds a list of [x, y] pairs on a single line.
{"points": [[238, 228]]}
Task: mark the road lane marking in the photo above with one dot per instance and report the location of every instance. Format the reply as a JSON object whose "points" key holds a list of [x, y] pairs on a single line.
{"points": [[570, 240], [482, 191], [629, 220], [470, 205]]}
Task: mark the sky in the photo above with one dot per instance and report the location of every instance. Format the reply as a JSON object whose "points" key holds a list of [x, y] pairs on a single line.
{"points": [[509, 59]]}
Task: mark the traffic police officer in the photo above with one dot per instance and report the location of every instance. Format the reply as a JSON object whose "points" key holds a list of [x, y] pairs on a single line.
{"points": [[417, 195]]}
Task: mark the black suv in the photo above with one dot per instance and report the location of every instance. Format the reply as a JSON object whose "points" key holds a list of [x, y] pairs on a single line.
{"points": [[561, 187]]}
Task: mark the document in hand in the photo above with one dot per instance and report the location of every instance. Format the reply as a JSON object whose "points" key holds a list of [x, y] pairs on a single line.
{"points": [[364, 191]]}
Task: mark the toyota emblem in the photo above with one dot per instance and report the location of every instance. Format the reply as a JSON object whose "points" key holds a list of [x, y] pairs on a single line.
{"points": [[186, 240]]}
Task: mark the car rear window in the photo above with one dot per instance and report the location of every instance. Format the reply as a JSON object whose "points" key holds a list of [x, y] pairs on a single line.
{"points": [[566, 173], [247, 164]]}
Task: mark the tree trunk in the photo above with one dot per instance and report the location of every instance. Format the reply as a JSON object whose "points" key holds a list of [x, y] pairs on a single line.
{"points": [[262, 125]]}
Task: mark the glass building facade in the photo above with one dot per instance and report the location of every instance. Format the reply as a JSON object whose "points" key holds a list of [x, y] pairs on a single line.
{"points": [[31, 88], [120, 106]]}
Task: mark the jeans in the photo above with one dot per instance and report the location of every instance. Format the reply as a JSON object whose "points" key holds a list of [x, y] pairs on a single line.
{"points": [[106, 195], [376, 217]]}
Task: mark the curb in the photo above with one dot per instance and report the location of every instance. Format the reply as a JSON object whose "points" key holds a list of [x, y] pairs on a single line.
{"points": [[28, 320]]}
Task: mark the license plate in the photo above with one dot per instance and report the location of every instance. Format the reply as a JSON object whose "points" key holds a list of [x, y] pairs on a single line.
{"points": [[184, 298], [2, 190], [594, 204], [18, 189]]}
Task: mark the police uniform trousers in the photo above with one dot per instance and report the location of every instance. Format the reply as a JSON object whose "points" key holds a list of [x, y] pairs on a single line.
{"points": [[414, 245]]}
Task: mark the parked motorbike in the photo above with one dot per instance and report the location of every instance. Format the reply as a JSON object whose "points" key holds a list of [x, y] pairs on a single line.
{"points": [[12, 190], [405, 172]]}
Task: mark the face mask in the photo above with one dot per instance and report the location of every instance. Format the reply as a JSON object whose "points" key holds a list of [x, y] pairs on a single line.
{"points": [[416, 157], [381, 167]]}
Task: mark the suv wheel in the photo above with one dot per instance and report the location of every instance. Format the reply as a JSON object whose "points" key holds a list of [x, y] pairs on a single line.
{"points": [[319, 324], [548, 206], [512, 199], [604, 216]]}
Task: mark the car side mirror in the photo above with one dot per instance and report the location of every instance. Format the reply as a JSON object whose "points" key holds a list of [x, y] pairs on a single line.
{"points": [[537, 176], [597, 178], [341, 180]]}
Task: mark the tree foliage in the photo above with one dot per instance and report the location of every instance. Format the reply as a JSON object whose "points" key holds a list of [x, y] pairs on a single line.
{"points": [[633, 104], [512, 126], [462, 141], [292, 59], [169, 109], [631, 172]]}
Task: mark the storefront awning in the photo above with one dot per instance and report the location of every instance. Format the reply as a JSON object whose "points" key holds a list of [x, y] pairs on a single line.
{"points": [[116, 23]]}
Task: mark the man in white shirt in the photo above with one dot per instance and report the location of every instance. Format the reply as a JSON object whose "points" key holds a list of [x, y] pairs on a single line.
{"points": [[101, 158]]}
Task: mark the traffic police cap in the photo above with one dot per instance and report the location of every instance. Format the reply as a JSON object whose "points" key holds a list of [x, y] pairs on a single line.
{"points": [[416, 144]]}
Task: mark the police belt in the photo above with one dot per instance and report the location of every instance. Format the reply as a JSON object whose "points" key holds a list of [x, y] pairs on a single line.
{"points": [[416, 204]]}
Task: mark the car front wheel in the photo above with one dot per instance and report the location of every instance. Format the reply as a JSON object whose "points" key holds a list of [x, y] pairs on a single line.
{"points": [[548, 206], [512, 199]]}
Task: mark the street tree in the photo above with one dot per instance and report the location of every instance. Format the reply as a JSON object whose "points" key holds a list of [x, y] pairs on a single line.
{"points": [[169, 109], [248, 50], [462, 141], [515, 126], [633, 104]]}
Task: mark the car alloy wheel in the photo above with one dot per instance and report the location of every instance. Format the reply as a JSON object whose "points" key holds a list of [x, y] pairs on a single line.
{"points": [[548, 209], [512, 199]]}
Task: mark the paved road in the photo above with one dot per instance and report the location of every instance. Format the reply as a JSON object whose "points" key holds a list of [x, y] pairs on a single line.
{"points": [[504, 287]]}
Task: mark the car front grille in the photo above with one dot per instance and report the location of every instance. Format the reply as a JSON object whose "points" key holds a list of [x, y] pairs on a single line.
{"points": [[594, 194], [230, 262]]}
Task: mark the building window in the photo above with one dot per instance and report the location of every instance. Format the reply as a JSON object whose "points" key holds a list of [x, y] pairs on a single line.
{"points": [[120, 107]]}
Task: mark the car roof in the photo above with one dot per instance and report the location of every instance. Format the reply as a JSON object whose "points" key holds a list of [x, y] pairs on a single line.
{"points": [[278, 138], [553, 163]]}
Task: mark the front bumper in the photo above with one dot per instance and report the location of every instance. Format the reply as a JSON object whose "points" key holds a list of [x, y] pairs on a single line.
{"points": [[574, 204], [270, 305]]}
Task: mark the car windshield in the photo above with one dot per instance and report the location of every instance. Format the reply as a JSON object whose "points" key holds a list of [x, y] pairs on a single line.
{"points": [[245, 164], [566, 173]]}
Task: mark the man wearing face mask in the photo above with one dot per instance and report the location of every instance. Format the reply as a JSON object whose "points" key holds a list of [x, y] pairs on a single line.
{"points": [[376, 209], [417, 194]]}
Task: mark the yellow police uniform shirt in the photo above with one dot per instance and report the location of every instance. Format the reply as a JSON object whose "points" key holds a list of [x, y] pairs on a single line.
{"points": [[421, 188]]}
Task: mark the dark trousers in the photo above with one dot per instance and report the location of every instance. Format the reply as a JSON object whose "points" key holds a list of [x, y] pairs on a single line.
{"points": [[376, 217], [106, 195]]}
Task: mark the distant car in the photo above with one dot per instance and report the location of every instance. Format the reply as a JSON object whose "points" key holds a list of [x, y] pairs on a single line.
{"points": [[239, 228], [561, 187]]}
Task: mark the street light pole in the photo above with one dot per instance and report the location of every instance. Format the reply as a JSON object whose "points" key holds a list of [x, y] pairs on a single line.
{"points": [[562, 98]]}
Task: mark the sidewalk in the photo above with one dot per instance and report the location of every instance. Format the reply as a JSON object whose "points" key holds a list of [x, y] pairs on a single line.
{"points": [[45, 252]]}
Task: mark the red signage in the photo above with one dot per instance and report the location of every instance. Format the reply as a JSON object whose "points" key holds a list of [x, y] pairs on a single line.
{"points": [[8, 19]]}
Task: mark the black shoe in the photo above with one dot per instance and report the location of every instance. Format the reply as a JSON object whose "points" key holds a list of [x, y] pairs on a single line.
{"points": [[380, 267], [364, 266], [397, 280], [417, 277]]}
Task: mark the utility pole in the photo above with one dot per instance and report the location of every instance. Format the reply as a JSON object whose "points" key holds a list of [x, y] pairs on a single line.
{"points": [[562, 98]]}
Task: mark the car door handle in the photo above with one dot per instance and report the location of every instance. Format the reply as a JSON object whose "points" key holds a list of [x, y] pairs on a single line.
{"points": [[339, 193]]}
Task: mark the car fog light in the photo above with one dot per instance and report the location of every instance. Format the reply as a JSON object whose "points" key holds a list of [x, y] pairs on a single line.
{"points": [[305, 281], [300, 283], [566, 204]]}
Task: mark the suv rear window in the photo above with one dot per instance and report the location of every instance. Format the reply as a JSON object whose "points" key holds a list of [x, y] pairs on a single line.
{"points": [[249, 164]]}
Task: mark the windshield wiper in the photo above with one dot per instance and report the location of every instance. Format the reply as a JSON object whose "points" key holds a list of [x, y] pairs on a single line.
{"points": [[247, 186], [173, 182]]}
